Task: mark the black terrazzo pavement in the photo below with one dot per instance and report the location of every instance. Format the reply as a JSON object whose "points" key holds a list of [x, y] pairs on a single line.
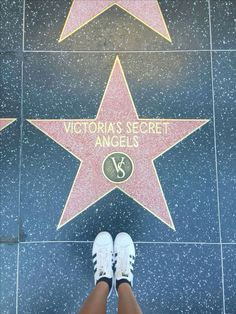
{"points": [[191, 270]]}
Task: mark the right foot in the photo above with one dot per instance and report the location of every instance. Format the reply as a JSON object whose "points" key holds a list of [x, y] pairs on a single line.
{"points": [[103, 258], [124, 256]]}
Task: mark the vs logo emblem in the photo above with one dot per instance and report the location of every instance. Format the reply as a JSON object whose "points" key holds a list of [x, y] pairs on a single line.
{"points": [[117, 167]]}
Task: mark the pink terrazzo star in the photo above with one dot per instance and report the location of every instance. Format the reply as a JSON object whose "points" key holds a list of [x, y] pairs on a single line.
{"points": [[5, 122], [146, 11], [142, 140]]}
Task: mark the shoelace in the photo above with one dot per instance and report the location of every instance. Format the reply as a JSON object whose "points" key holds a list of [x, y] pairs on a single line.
{"points": [[102, 261], [124, 264]]}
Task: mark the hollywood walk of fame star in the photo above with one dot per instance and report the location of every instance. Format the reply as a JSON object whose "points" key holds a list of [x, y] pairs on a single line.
{"points": [[5, 122], [146, 11], [116, 150]]}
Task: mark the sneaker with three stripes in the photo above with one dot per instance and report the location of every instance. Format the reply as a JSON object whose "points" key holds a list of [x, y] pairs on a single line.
{"points": [[103, 259], [124, 257]]}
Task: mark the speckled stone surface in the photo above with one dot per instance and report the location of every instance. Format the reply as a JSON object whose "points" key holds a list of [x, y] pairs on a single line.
{"points": [[66, 276], [229, 252], [10, 100], [116, 29], [8, 275], [173, 279], [174, 85], [182, 271], [178, 278], [10, 84], [223, 24], [11, 25], [9, 172], [225, 102]]}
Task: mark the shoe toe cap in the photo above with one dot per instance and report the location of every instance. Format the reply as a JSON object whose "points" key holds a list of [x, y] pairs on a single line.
{"points": [[103, 239], [123, 239]]}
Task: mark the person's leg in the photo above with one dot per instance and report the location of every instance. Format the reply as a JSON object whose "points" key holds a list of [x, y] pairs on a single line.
{"points": [[124, 261], [103, 275], [96, 301], [127, 302]]}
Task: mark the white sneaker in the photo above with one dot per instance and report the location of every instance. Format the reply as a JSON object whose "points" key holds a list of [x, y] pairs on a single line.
{"points": [[124, 256], [103, 257]]}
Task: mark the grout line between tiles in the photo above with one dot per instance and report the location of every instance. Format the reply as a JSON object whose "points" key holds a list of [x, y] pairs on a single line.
{"points": [[115, 51], [126, 51], [180, 243], [112, 51], [17, 276], [216, 159], [65, 241], [19, 184], [136, 242], [223, 50], [23, 28], [20, 150], [20, 163]]}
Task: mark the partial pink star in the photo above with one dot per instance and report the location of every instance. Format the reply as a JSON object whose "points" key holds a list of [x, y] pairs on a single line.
{"points": [[5, 122], [90, 183], [146, 11]]}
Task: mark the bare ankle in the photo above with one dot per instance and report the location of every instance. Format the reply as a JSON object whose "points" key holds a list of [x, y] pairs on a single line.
{"points": [[103, 285], [124, 286]]}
